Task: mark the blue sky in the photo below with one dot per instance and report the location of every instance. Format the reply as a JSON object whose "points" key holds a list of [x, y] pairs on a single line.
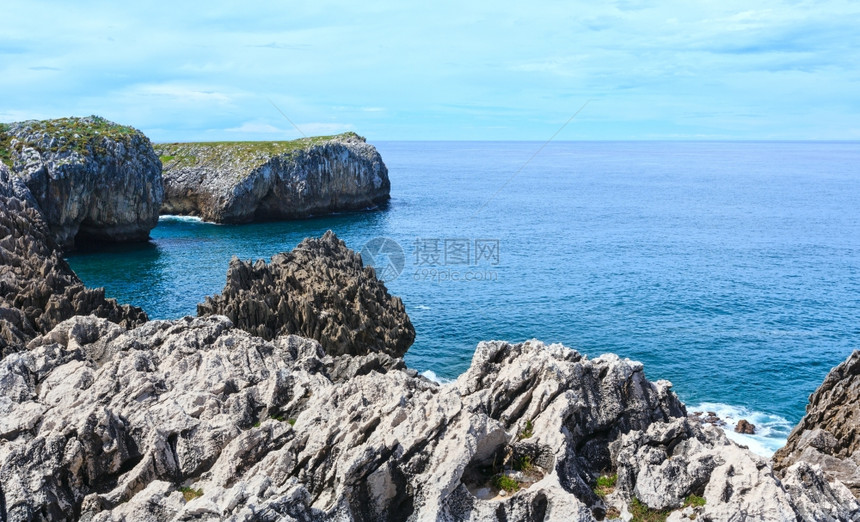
{"points": [[440, 70]]}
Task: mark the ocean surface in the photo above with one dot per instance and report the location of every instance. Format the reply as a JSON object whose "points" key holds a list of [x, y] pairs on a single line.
{"points": [[730, 269]]}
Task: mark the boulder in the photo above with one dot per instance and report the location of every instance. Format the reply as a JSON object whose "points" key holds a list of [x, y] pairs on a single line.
{"points": [[744, 426], [92, 179], [240, 182], [320, 290]]}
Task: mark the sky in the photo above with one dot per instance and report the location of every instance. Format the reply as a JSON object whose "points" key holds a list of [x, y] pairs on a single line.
{"points": [[186, 71]]}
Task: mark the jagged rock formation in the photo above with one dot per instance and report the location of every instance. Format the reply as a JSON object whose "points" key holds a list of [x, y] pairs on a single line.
{"points": [[210, 407], [38, 290], [319, 290], [239, 182], [91, 178], [661, 468], [829, 434], [213, 423]]}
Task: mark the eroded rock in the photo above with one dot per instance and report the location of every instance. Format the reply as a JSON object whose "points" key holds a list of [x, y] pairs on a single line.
{"points": [[38, 290], [262, 430], [320, 290], [666, 465], [829, 434]]}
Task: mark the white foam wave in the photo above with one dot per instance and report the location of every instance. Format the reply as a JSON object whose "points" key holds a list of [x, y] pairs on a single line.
{"points": [[430, 374], [422, 307], [187, 219], [771, 430]]}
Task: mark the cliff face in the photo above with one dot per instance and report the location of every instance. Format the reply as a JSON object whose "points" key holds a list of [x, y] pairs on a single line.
{"points": [[829, 434], [320, 290], [38, 290], [90, 177], [239, 182]]}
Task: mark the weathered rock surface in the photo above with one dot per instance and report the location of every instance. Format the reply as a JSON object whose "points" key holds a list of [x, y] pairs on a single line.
{"points": [[107, 424], [319, 290], [38, 290], [239, 182], [664, 465], [91, 178], [829, 434], [101, 424]]}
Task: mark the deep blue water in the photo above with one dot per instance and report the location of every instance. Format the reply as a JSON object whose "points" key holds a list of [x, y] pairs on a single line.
{"points": [[731, 269]]}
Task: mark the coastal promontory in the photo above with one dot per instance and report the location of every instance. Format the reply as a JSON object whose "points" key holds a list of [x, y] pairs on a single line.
{"points": [[240, 182], [92, 179]]}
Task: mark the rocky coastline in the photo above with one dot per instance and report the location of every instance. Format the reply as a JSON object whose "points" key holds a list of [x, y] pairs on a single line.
{"points": [[240, 182], [287, 398]]}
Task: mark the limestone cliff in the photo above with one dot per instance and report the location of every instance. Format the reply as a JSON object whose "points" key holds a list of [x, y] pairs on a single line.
{"points": [[196, 419], [829, 434], [38, 290], [91, 178], [239, 182]]}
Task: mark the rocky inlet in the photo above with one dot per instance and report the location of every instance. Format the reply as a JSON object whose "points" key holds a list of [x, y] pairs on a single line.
{"points": [[288, 399]]}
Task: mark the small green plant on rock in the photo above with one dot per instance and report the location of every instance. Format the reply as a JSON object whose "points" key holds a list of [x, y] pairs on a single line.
{"points": [[642, 513], [527, 431], [190, 494], [694, 501], [605, 485], [505, 483], [523, 463]]}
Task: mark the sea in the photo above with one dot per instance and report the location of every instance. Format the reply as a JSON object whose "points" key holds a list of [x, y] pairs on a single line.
{"points": [[731, 269]]}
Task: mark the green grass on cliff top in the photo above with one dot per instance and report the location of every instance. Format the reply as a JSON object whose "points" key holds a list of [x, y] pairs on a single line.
{"points": [[192, 153], [72, 134]]}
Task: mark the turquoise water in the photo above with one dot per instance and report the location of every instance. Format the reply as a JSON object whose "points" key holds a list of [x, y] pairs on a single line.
{"points": [[730, 269]]}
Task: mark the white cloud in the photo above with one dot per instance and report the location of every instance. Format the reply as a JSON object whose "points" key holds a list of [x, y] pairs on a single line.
{"points": [[182, 71]]}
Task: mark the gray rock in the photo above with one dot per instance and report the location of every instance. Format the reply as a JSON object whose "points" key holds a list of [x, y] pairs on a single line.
{"points": [[38, 290], [107, 424], [828, 435], [239, 182], [662, 466], [320, 290], [92, 179]]}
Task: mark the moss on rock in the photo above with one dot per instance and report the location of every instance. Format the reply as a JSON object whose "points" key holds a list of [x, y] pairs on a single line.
{"points": [[248, 153], [85, 136]]}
